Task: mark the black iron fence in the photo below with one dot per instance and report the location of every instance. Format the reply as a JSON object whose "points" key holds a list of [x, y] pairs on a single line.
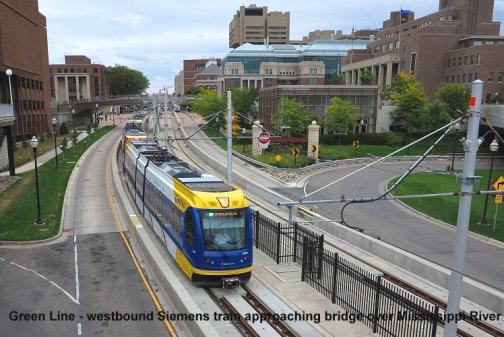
{"points": [[383, 306]]}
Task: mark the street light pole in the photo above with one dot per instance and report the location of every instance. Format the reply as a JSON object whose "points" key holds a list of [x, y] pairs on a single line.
{"points": [[73, 119], [113, 113], [8, 131], [55, 147], [494, 146], [244, 132], [456, 126], [34, 143], [96, 116]]}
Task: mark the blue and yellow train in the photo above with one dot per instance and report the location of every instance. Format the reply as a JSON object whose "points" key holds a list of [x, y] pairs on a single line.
{"points": [[204, 223]]}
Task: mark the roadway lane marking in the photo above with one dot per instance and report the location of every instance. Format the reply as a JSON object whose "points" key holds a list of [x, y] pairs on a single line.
{"points": [[128, 246], [77, 283], [79, 329], [76, 301]]}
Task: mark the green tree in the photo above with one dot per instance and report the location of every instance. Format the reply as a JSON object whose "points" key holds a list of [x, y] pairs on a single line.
{"points": [[124, 81], [244, 103], [456, 97], [434, 115], [193, 90], [367, 78], [410, 100], [336, 79], [339, 116], [208, 103], [293, 115]]}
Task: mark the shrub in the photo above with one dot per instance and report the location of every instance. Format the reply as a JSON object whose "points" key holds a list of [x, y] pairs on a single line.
{"points": [[64, 144], [396, 139], [63, 129]]}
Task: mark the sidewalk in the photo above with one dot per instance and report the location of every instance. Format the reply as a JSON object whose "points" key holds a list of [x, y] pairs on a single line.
{"points": [[120, 121]]}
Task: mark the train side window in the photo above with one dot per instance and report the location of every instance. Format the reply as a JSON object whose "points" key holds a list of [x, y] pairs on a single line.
{"points": [[189, 222]]}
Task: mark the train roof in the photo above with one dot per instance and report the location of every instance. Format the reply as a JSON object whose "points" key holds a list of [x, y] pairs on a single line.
{"points": [[190, 176]]}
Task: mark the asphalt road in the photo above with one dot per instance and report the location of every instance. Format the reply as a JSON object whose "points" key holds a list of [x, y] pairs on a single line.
{"points": [[397, 225], [89, 271]]}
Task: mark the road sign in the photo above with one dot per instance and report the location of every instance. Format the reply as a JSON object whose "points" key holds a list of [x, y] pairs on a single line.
{"points": [[355, 144], [278, 157], [499, 184], [314, 148], [498, 198], [295, 152], [264, 138]]}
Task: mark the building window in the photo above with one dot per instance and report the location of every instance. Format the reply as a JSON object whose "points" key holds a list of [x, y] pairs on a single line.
{"points": [[65, 70], [413, 62], [463, 78], [453, 78], [23, 82], [458, 78], [490, 76], [478, 43], [313, 71], [312, 81], [234, 71], [476, 76], [72, 70], [470, 77], [465, 60], [499, 78], [449, 63], [244, 84], [472, 59], [397, 44], [460, 61], [391, 45], [478, 59]]}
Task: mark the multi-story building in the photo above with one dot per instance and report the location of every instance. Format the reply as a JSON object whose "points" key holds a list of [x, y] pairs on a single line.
{"points": [[264, 66], [77, 80], [187, 77], [255, 25], [23, 49], [316, 98], [458, 44]]}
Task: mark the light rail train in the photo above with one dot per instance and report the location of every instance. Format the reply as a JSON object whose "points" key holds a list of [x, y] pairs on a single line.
{"points": [[203, 222]]}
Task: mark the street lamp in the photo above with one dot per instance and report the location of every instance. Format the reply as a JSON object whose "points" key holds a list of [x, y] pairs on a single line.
{"points": [[55, 148], [494, 146], [244, 132], [96, 116], [73, 119], [362, 123], [457, 126], [113, 113], [8, 72], [34, 143]]}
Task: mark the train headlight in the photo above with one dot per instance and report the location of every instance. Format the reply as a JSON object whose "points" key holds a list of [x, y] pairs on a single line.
{"points": [[223, 201]]}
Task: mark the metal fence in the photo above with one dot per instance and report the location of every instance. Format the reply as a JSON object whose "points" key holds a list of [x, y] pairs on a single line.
{"points": [[384, 307]]}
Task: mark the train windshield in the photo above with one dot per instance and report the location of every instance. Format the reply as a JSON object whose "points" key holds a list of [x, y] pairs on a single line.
{"points": [[224, 230]]}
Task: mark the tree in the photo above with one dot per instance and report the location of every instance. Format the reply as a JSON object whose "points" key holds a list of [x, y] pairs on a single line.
{"points": [[339, 115], [367, 78], [410, 99], [434, 115], [336, 79], [124, 81], [456, 97], [193, 90], [244, 104], [293, 115], [208, 103]]}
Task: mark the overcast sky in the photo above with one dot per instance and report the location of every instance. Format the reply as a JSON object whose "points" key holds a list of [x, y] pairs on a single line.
{"points": [[155, 36]]}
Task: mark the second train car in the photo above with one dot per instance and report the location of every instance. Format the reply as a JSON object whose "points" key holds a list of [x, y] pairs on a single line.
{"points": [[204, 223]]}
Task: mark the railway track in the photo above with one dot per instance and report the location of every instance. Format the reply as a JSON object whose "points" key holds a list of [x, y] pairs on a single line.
{"points": [[474, 322], [248, 314]]}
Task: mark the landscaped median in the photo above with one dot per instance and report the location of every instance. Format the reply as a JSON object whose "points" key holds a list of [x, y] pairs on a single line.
{"points": [[446, 208], [18, 203]]}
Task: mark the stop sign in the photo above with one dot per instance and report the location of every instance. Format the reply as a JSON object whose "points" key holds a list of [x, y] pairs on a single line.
{"points": [[264, 138]]}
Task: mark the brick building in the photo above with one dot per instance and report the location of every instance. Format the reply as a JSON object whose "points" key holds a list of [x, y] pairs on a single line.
{"points": [[255, 25], [77, 80], [457, 44], [23, 49]]}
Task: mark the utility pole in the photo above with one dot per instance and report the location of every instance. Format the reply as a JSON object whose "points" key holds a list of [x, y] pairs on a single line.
{"points": [[229, 140], [467, 180], [166, 115]]}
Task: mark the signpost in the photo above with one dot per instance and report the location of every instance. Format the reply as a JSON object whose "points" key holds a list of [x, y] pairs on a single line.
{"points": [[499, 184], [295, 154], [264, 140], [355, 145]]}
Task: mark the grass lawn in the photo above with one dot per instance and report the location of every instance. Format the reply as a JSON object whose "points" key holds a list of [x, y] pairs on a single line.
{"points": [[446, 208], [18, 203]]}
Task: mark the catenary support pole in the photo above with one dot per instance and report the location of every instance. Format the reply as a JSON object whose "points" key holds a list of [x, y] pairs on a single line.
{"points": [[467, 180], [229, 140]]}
